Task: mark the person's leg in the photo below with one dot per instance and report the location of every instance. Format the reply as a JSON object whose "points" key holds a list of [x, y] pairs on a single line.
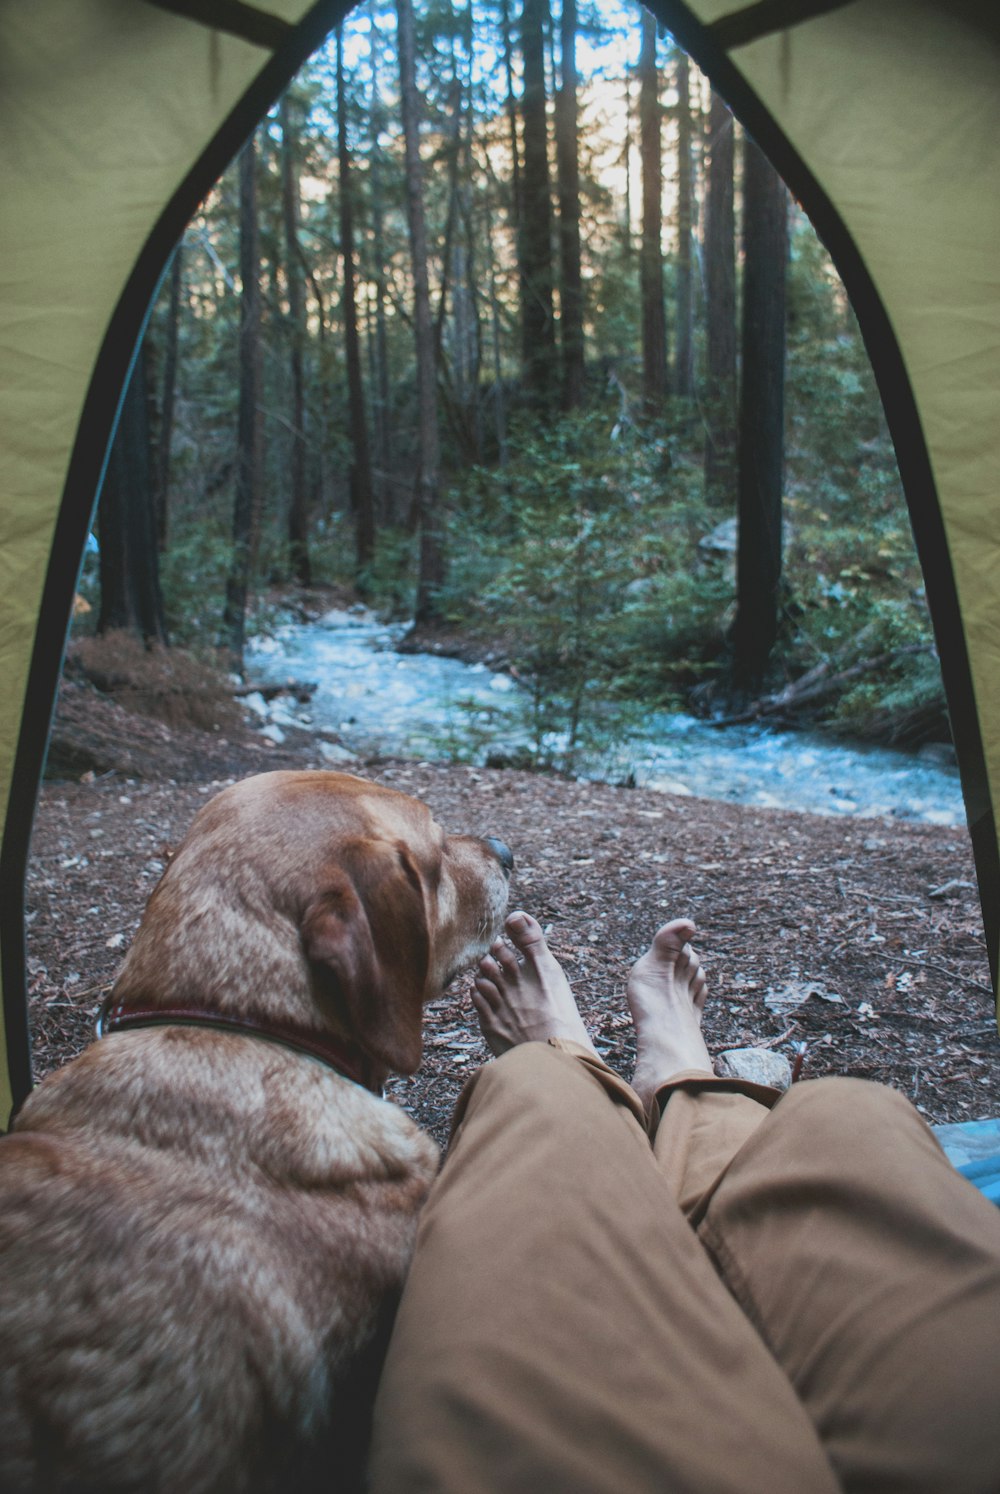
{"points": [[872, 1270], [869, 1266], [561, 1329], [707, 1119]]}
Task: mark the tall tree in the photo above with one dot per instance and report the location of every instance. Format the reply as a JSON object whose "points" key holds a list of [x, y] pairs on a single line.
{"points": [[654, 322], [298, 504], [568, 174], [684, 339], [537, 316], [761, 418], [362, 492], [431, 573], [510, 103], [380, 391], [129, 556], [246, 506], [720, 307], [168, 397], [626, 160]]}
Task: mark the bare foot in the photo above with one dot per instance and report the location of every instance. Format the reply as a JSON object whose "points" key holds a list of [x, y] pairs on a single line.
{"points": [[521, 992], [666, 994]]}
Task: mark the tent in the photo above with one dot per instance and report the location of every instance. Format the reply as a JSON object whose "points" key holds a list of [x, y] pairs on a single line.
{"points": [[117, 115]]}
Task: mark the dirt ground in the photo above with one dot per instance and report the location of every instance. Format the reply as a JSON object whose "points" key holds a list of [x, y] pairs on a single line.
{"points": [[861, 939]]}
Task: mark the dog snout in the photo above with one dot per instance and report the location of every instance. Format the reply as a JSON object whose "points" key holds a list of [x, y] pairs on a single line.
{"points": [[502, 852]]}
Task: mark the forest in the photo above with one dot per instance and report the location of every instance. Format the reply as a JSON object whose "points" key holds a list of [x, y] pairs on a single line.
{"points": [[501, 323]]}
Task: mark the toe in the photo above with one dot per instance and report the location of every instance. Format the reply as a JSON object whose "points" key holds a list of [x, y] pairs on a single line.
{"points": [[671, 939], [506, 959], [524, 931], [485, 995]]}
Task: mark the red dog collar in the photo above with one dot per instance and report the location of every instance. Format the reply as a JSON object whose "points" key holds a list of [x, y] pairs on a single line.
{"points": [[345, 1059]]}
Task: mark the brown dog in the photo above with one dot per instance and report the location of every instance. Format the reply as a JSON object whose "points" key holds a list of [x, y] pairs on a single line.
{"points": [[203, 1229]]}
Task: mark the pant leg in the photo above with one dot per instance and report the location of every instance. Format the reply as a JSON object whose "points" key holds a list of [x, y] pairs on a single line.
{"points": [[562, 1331], [872, 1270], [700, 1125]]}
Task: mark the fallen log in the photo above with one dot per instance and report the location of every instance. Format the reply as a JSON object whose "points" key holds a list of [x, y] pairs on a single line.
{"points": [[817, 683]]}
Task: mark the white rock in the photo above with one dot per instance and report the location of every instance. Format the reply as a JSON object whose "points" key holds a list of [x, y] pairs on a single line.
{"points": [[331, 752], [273, 733], [758, 1065], [282, 715], [669, 786], [256, 703]]}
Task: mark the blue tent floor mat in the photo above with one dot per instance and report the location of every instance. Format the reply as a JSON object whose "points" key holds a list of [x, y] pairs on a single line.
{"points": [[974, 1148]]}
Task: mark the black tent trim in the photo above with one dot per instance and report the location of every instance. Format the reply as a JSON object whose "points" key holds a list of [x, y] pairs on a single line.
{"points": [[232, 16], [767, 16], [902, 415], [79, 501]]}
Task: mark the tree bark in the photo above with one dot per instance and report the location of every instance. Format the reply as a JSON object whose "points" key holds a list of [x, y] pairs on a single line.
{"points": [[684, 340], [537, 318], [626, 160], [568, 170], [511, 107], [246, 507], [381, 400], [129, 558], [168, 398], [720, 297], [431, 571], [761, 421], [654, 324], [298, 505], [362, 494]]}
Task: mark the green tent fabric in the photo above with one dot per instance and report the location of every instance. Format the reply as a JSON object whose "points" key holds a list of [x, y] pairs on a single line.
{"points": [[117, 115]]}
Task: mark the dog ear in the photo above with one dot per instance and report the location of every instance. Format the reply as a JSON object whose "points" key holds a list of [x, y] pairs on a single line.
{"points": [[368, 932]]}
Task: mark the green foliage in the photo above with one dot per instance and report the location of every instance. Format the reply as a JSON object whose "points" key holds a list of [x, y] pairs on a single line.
{"points": [[853, 584], [388, 584], [581, 556], [193, 576]]}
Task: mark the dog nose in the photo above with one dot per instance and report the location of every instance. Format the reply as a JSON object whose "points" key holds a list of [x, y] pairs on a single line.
{"points": [[502, 852]]}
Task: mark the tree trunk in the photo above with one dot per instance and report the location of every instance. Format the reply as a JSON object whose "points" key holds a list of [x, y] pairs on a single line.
{"points": [[761, 422], [381, 400], [654, 324], [720, 296], [362, 495], [626, 160], [168, 399], [431, 573], [568, 167], [246, 508], [684, 341], [511, 107], [129, 558], [298, 505], [537, 319]]}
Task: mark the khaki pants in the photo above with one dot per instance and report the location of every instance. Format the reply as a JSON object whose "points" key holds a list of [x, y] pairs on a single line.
{"points": [[796, 1299]]}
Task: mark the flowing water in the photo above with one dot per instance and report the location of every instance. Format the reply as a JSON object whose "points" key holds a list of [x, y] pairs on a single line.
{"points": [[377, 700]]}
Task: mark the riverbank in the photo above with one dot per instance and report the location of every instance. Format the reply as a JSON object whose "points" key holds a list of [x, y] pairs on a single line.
{"points": [[860, 938]]}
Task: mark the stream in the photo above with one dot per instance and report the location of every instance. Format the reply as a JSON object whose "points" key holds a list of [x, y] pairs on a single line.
{"points": [[377, 700]]}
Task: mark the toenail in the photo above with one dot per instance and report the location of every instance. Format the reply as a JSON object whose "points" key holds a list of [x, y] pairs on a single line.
{"points": [[517, 921]]}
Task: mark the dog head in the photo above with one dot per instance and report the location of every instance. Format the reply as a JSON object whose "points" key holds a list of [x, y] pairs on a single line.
{"points": [[323, 899]]}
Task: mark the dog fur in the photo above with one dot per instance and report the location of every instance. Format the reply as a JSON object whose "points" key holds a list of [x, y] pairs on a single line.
{"points": [[203, 1234]]}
